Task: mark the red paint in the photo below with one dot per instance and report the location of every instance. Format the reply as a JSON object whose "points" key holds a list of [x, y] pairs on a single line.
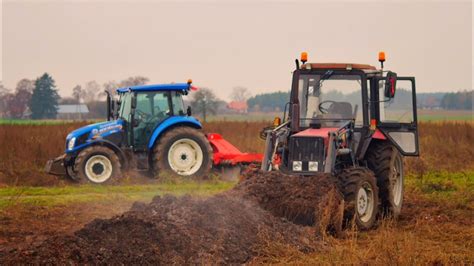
{"points": [[323, 132], [313, 132], [226, 153], [392, 83], [194, 88], [378, 135], [320, 132]]}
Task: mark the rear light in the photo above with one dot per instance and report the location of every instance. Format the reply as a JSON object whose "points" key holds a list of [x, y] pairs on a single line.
{"points": [[373, 124]]}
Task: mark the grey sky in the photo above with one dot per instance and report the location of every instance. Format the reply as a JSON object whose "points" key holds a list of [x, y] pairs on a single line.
{"points": [[225, 44]]}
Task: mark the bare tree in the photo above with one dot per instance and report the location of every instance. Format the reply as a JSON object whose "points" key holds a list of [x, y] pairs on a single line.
{"points": [[92, 89], [26, 85], [78, 93], [111, 86], [133, 81], [18, 103], [15, 104], [4, 92], [204, 102], [240, 94]]}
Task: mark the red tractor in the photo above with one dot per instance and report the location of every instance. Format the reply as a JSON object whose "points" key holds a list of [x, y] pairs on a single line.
{"points": [[353, 121]]}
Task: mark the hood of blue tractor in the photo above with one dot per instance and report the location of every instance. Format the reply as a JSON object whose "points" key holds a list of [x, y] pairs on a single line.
{"points": [[84, 135]]}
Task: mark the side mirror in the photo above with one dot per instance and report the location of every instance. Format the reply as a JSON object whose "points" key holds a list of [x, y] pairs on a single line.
{"points": [[134, 101], [189, 111], [390, 84], [109, 105]]}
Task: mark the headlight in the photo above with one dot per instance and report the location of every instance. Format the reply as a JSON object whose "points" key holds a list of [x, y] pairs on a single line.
{"points": [[313, 166], [70, 144], [297, 165]]}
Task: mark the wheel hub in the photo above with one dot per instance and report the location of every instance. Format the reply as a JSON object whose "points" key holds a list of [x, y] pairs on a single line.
{"points": [[98, 168], [365, 202], [185, 157], [396, 181], [362, 201]]}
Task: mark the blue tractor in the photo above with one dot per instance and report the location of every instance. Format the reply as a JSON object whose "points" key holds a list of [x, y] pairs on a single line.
{"points": [[149, 129]]}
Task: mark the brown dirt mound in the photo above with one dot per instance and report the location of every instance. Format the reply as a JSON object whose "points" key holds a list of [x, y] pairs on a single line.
{"points": [[304, 200], [226, 228]]}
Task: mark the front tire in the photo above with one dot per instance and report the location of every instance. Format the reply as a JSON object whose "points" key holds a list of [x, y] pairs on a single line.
{"points": [[387, 163], [183, 151], [359, 187], [98, 165]]}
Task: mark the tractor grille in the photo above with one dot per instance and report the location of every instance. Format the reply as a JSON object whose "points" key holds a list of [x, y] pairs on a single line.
{"points": [[306, 150]]}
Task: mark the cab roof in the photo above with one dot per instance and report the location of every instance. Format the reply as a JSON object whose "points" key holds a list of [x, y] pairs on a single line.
{"points": [[157, 87], [338, 66]]}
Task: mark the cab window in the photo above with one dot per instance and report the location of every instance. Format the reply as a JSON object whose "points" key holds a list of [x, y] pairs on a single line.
{"points": [[152, 108], [178, 104]]}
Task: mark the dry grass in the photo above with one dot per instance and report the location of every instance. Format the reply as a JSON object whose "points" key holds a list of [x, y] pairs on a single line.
{"points": [[429, 232]]}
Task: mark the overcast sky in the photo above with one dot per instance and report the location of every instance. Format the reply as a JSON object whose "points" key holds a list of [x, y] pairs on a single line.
{"points": [[225, 44]]}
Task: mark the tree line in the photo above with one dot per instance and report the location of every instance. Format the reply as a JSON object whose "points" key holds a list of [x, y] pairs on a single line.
{"points": [[39, 98], [461, 100]]}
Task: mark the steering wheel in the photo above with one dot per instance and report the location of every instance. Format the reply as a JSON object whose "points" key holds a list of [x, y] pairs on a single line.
{"points": [[322, 109], [143, 116]]}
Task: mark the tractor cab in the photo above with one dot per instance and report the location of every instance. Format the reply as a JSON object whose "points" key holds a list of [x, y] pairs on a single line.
{"points": [[357, 102], [143, 108], [329, 97]]}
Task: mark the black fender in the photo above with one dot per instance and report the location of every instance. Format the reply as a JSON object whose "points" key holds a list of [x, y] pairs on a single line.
{"points": [[162, 132]]}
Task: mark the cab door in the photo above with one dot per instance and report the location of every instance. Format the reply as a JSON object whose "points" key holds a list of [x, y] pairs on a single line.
{"points": [[152, 108], [397, 117]]}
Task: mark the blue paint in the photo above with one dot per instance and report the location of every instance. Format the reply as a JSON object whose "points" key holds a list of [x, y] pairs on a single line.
{"points": [[172, 121], [157, 87], [96, 131]]}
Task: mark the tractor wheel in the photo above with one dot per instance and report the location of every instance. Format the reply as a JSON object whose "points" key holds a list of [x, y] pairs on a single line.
{"points": [[360, 191], [182, 151], [98, 165], [387, 164]]}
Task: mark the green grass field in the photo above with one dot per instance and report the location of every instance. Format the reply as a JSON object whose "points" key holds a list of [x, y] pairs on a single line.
{"points": [[52, 196], [437, 185], [445, 115]]}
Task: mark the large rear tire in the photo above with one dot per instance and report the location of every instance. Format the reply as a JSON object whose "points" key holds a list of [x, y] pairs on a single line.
{"points": [[359, 187], [98, 165], [182, 151], [387, 164]]}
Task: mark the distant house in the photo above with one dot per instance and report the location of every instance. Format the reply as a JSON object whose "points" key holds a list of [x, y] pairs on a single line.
{"points": [[239, 107], [72, 111]]}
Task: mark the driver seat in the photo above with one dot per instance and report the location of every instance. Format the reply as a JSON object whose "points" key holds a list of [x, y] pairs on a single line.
{"points": [[344, 109]]}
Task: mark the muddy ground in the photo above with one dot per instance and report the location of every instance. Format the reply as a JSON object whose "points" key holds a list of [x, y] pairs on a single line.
{"points": [[226, 228], [429, 231]]}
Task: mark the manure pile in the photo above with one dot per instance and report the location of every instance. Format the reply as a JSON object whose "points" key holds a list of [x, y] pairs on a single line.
{"points": [[225, 228]]}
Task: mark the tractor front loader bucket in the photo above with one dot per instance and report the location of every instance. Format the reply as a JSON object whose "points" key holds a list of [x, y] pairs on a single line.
{"points": [[228, 159]]}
